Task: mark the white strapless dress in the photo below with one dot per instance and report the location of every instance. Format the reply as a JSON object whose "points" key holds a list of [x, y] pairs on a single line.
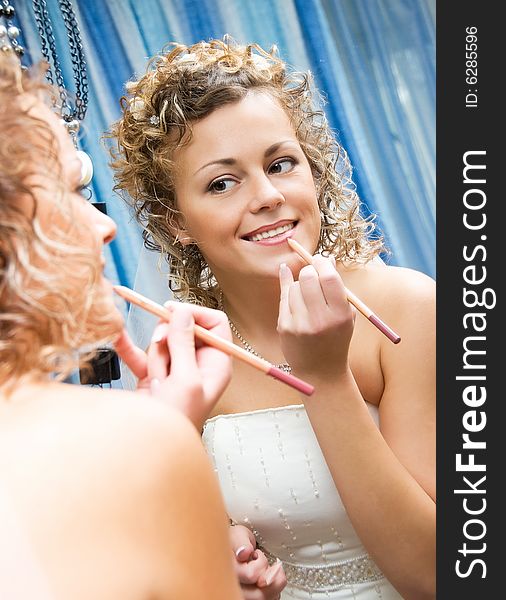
{"points": [[275, 481]]}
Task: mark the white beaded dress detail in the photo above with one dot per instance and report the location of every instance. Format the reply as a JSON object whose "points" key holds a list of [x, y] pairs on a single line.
{"points": [[275, 481]]}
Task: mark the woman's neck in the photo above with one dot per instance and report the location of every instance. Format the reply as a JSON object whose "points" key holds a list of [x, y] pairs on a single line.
{"points": [[253, 309]]}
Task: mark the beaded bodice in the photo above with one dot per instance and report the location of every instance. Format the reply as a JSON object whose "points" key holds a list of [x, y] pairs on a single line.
{"points": [[274, 480]]}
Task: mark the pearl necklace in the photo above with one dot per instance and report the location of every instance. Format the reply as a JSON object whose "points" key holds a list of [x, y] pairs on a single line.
{"points": [[282, 366]]}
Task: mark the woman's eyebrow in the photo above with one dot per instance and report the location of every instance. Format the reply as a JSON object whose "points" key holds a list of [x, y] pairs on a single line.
{"points": [[275, 147], [219, 161], [232, 161]]}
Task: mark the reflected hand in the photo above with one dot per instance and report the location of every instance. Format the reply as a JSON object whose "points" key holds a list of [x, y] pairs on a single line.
{"points": [[258, 580], [315, 320]]}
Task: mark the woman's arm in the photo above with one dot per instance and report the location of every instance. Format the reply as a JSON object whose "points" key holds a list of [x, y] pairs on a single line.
{"points": [[385, 478]]}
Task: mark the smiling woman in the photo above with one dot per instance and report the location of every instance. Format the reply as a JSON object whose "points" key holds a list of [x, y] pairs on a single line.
{"points": [[225, 155], [187, 85], [261, 186]]}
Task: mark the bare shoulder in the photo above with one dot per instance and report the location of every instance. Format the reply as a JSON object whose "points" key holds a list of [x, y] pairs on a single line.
{"points": [[390, 288], [83, 464], [64, 432], [116, 428], [408, 282]]}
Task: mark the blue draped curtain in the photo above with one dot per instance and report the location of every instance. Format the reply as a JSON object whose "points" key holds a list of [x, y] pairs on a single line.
{"points": [[374, 60]]}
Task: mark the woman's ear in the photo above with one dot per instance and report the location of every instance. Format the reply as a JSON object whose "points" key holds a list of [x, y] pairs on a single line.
{"points": [[182, 237], [178, 229]]}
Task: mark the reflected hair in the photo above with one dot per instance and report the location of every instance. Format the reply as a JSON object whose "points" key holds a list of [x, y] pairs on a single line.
{"points": [[185, 84]]}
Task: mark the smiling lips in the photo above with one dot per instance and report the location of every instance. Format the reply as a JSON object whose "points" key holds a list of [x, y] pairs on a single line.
{"points": [[271, 234]]}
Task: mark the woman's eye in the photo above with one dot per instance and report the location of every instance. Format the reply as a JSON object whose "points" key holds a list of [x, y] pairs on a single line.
{"points": [[221, 186], [282, 166]]}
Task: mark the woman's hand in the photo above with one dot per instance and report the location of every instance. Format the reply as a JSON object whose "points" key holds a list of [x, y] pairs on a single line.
{"points": [[179, 369], [258, 580], [315, 318]]}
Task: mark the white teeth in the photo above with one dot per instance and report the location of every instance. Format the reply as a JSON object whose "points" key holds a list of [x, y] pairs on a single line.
{"points": [[271, 233]]}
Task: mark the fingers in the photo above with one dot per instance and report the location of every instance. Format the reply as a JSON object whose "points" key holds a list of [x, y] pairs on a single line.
{"points": [[243, 542], [158, 354], [134, 358], [285, 283], [274, 578], [181, 342], [215, 366], [137, 360], [212, 320], [269, 585], [331, 284], [310, 289], [318, 289], [183, 318], [250, 572], [192, 376], [250, 563], [259, 581]]}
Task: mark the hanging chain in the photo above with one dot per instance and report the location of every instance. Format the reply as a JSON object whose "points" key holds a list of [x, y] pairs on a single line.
{"points": [[77, 56], [48, 47]]}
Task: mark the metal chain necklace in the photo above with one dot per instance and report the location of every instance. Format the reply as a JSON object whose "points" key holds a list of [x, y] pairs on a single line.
{"points": [[247, 346], [71, 114]]}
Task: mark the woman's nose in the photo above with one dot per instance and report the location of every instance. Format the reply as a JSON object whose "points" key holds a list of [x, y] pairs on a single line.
{"points": [[265, 195], [105, 226]]}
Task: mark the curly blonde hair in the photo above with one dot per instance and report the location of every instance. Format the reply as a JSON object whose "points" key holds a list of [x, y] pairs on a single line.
{"points": [[43, 317], [185, 84]]}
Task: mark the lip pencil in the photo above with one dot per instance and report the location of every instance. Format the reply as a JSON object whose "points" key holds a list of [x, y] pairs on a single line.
{"points": [[217, 342], [357, 303]]}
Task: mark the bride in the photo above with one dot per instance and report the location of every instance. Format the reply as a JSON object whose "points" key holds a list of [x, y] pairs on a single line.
{"points": [[224, 155]]}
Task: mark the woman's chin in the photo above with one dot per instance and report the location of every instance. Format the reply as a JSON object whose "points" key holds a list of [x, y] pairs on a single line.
{"points": [[105, 321]]}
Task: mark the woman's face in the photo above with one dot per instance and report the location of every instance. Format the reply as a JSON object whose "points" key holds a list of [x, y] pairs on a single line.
{"points": [[244, 186], [88, 227]]}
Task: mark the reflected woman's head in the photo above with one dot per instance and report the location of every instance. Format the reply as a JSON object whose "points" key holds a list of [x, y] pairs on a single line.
{"points": [[182, 87], [53, 298]]}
